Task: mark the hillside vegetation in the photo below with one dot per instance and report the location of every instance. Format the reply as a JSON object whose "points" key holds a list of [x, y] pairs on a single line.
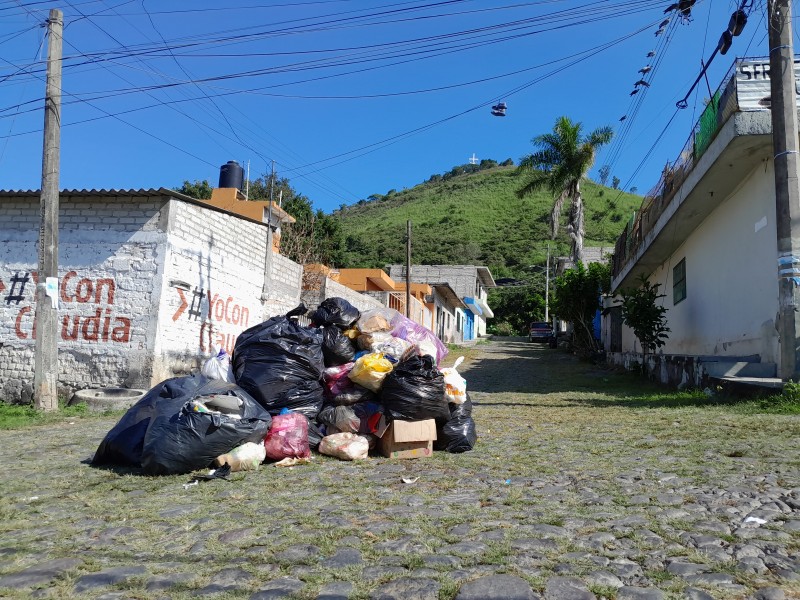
{"points": [[474, 218]]}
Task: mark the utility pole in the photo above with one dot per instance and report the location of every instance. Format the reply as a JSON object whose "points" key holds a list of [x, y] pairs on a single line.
{"points": [[787, 193], [547, 287], [45, 370], [268, 256], [408, 269]]}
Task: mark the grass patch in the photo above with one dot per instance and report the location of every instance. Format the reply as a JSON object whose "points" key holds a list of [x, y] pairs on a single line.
{"points": [[16, 416]]}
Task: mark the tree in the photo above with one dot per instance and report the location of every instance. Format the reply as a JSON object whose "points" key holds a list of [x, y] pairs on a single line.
{"points": [[641, 313], [562, 161], [314, 237], [576, 298], [199, 189], [634, 189], [514, 308], [604, 172], [615, 182]]}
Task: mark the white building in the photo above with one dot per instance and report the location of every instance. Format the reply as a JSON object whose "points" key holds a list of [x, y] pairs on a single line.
{"points": [[707, 235], [470, 283]]}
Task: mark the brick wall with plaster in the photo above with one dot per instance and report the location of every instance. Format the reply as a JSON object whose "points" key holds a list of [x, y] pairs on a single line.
{"points": [[109, 256], [148, 284]]}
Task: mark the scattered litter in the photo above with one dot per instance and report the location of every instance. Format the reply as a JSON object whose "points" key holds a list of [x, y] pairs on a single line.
{"points": [[219, 473], [291, 461], [410, 479], [186, 486], [756, 520]]}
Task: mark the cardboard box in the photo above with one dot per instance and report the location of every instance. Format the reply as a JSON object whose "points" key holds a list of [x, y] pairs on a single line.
{"points": [[408, 439]]}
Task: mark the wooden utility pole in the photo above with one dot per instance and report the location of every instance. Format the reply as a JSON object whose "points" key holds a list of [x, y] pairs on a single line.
{"points": [[787, 192], [408, 269], [547, 287], [45, 375], [268, 256]]}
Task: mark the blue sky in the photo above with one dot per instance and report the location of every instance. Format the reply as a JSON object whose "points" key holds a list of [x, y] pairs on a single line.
{"points": [[351, 97]]}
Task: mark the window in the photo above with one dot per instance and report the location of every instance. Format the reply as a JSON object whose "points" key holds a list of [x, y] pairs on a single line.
{"points": [[679, 282]]}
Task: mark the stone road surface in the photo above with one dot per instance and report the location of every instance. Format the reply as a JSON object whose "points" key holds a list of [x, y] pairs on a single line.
{"points": [[569, 495]]}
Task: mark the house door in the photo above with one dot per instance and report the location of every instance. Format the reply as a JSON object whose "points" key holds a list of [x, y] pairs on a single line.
{"points": [[615, 343], [469, 326]]}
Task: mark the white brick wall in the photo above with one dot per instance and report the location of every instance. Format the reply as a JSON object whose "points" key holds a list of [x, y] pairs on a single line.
{"points": [[147, 285], [106, 272], [213, 286]]}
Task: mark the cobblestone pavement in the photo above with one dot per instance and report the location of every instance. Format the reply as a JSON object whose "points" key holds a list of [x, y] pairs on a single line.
{"points": [[573, 492]]}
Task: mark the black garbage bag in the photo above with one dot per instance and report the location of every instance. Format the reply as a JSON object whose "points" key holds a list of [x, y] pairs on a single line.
{"points": [[155, 427], [335, 311], [414, 391], [216, 418], [122, 445], [352, 394], [357, 418], [458, 434], [314, 435], [337, 349], [280, 364]]}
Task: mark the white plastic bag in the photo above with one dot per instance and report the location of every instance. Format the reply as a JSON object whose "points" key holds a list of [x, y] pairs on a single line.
{"points": [[455, 386], [345, 446], [219, 367], [247, 457]]}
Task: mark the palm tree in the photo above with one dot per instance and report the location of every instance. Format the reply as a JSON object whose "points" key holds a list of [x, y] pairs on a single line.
{"points": [[561, 162]]}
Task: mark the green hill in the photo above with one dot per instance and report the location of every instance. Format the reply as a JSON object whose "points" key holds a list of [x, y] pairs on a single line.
{"points": [[474, 218]]}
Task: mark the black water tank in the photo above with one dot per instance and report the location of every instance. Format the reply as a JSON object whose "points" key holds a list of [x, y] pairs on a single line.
{"points": [[231, 175]]}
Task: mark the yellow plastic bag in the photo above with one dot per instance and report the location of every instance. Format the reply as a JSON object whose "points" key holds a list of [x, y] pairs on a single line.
{"points": [[370, 370]]}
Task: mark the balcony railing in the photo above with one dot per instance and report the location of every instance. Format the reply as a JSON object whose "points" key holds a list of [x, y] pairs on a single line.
{"points": [[720, 107]]}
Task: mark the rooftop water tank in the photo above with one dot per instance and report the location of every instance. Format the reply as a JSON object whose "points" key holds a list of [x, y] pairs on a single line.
{"points": [[231, 175]]}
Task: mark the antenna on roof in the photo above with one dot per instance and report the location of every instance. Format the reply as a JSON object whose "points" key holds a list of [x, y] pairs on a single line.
{"points": [[247, 182]]}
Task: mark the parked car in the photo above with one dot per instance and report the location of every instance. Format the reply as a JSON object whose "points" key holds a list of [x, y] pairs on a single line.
{"points": [[540, 331]]}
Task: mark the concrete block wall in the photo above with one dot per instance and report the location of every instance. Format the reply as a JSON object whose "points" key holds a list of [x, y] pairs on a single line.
{"points": [[284, 286], [328, 288], [460, 277], [147, 285], [109, 252], [211, 286]]}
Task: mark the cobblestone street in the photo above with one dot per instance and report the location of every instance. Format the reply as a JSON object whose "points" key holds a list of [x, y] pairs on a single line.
{"points": [[574, 491]]}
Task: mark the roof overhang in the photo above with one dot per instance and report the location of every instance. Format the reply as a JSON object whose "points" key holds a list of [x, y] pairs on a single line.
{"points": [[472, 305], [362, 280], [485, 277], [487, 312], [449, 294]]}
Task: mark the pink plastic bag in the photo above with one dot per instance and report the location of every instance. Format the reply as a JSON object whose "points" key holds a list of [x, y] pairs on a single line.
{"points": [[336, 380], [422, 337], [287, 437]]}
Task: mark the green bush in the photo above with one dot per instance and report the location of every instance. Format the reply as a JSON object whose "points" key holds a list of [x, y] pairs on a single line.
{"points": [[502, 328]]}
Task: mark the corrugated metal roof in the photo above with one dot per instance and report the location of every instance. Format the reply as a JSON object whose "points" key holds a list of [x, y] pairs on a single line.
{"points": [[124, 194], [119, 193]]}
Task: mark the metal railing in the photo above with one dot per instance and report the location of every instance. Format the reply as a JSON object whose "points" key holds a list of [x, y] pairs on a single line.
{"points": [[721, 106]]}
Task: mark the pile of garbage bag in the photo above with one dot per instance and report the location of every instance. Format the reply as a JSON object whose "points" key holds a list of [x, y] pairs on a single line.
{"points": [[333, 387]]}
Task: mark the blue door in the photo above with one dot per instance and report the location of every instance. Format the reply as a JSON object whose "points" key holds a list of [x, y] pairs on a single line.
{"points": [[469, 325]]}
